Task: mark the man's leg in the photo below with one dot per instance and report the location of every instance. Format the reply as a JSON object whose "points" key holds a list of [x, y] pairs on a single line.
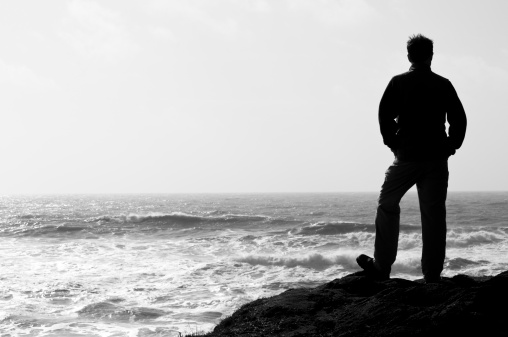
{"points": [[432, 191], [399, 178]]}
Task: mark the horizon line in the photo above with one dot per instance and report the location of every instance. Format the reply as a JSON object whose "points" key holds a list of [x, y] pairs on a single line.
{"points": [[210, 193]]}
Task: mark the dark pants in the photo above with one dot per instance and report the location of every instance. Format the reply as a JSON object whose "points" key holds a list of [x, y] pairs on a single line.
{"points": [[431, 179]]}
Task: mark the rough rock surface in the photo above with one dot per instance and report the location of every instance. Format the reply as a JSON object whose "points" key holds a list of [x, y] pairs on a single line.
{"points": [[358, 306]]}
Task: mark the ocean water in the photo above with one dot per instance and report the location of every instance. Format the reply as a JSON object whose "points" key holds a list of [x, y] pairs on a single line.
{"points": [[156, 265]]}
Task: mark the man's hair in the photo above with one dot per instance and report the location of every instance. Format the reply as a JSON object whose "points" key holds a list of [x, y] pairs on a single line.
{"points": [[420, 48]]}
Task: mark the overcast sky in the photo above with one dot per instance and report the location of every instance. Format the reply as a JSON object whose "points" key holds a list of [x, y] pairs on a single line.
{"points": [[234, 95]]}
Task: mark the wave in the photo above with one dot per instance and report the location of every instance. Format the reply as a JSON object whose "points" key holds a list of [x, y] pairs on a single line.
{"points": [[178, 217], [138, 218], [49, 230], [347, 262], [410, 235], [336, 228], [110, 311], [30, 216], [122, 223], [319, 262], [313, 261], [346, 234], [332, 228], [498, 203], [460, 263], [460, 238], [412, 266], [457, 238]]}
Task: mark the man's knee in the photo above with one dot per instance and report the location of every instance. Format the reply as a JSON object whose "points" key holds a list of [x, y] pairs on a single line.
{"points": [[388, 205]]}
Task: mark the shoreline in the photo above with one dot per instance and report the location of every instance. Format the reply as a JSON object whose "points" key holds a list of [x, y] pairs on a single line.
{"points": [[358, 306]]}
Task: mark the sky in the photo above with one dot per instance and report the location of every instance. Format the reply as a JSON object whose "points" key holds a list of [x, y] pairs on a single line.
{"points": [[234, 96]]}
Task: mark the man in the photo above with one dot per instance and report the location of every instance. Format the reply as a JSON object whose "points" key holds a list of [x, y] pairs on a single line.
{"points": [[412, 116]]}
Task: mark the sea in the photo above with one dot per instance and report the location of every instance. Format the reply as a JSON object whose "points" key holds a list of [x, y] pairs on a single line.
{"points": [[177, 264]]}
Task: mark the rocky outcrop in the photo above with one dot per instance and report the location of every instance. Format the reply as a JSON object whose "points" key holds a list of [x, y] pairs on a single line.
{"points": [[358, 306]]}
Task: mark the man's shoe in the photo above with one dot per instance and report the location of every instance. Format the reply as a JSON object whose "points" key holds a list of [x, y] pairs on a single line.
{"points": [[367, 264]]}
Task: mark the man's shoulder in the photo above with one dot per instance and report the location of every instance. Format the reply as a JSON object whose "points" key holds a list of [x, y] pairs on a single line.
{"points": [[409, 75], [439, 77], [401, 75]]}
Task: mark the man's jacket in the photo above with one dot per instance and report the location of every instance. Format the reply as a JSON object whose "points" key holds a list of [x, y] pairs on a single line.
{"points": [[413, 112]]}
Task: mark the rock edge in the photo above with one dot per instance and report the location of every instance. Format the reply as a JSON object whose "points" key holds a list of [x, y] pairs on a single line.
{"points": [[358, 306]]}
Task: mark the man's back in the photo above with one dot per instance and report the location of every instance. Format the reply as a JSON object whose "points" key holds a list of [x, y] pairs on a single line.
{"points": [[421, 101]]}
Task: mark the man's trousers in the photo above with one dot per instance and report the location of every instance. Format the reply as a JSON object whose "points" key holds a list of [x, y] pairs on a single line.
{"points": [[431, 179]]}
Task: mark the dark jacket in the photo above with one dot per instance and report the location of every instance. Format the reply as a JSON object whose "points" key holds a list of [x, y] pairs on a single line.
{"points": [[413, 112]]}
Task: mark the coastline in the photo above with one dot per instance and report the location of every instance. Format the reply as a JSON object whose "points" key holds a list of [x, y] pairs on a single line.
{"points": [[358, 306]]}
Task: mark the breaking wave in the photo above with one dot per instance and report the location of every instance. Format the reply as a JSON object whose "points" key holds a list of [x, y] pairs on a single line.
{"points": [[347, 262], [313, 261], [458, 238], [318, 262], [460, 263], [337, 228], [464, 238], [139, 218], [28, 225], [179, 217]]}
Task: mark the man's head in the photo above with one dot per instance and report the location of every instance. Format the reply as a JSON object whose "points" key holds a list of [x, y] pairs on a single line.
{"points": [[420, 49]]}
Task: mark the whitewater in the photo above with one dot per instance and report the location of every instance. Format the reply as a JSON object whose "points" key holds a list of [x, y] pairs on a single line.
{"points": [[158, 265]]}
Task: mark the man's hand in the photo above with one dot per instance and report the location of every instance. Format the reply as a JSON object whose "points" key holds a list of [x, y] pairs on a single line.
{"points": [[450, 150]]}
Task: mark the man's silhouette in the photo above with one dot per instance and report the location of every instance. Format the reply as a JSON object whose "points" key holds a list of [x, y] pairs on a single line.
{"points": [[412, 115]]}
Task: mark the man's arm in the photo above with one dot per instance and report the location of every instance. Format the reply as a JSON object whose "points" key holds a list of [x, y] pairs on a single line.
{"points": [[387, 114], [457, 120]]}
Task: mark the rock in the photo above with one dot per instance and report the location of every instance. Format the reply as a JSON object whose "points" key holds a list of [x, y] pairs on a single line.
{"points": [[357, 306]]}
